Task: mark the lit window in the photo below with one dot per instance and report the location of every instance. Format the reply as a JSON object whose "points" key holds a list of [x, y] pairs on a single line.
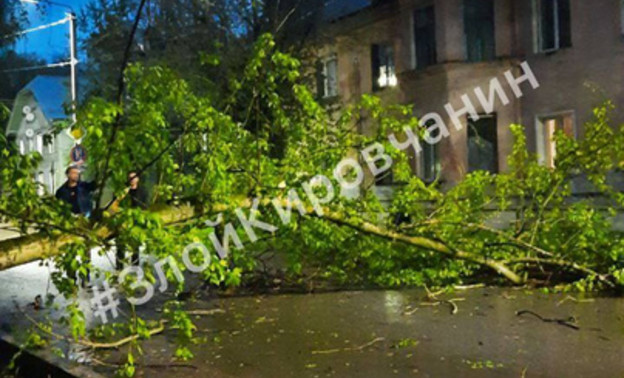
{"points": [[546, 129], [384, 74]]}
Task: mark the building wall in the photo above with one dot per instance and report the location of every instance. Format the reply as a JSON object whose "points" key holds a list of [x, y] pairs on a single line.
{"points": [[577, 78], [574, 79]]}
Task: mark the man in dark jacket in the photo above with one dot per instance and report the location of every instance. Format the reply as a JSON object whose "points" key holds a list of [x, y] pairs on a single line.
{"points": [[76, 193], [137, 197]]}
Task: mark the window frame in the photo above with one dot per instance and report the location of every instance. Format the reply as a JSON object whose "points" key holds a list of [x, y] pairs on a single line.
{"points": [[385, 179], [415, 61], [48, 141], [622, 18], [326, 81], [379, 50], [31, 145], [537, 20], [540, 134], [466, 34], [39, 143], [497, 167], [435, 150]]}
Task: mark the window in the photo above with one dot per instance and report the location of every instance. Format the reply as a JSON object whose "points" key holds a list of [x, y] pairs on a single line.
{"points": [[382, 64], [424, 37], [622, 16], [39, 143], [385, 178], [31, 145], [429, 159], [328, 84], [479, 30], [547, 126], [48, 141], [554, 25], [483, 144]]}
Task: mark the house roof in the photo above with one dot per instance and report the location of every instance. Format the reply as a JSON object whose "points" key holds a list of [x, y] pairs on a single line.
{"points": [[337, 9], [52, 93]]}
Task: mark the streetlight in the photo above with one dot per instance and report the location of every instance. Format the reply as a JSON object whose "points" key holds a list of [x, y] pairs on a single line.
{"points": [[71, 16]]}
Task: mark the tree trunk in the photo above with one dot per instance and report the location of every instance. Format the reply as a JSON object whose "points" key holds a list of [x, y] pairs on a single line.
{"points": [[26, 249], [30, 248]]}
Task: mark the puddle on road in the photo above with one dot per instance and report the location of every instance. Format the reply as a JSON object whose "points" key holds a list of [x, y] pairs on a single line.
{"points": [[393, 333], [375, 334]]}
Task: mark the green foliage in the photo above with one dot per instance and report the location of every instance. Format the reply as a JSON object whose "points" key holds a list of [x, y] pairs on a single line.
{"points": [[4, 114], [266, 135]]}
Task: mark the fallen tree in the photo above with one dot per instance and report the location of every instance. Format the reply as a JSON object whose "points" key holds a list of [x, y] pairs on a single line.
{"points": [[269, 139], [30, 248]]}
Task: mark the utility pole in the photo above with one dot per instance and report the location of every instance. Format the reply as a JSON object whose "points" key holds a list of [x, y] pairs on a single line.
{"points": [[73, 61], [71, 18]]}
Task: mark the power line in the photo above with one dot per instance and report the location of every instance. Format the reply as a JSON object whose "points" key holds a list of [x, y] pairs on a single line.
{"points": [[52, 65], [35, 29], [38, 28]]}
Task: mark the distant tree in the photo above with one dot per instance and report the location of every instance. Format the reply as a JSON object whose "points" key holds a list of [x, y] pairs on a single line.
{"points": [[186, 35], [12, 17], [12, 20]]}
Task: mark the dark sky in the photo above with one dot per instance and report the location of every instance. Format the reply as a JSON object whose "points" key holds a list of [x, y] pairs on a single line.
{"points": [[51, 44]]}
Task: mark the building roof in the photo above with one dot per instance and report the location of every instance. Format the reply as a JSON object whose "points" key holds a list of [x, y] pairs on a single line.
{"points": [[52, 94], [337, 9]]}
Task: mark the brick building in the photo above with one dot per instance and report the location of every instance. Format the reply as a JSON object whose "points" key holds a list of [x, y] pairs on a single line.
{"points": [[431, 52]]}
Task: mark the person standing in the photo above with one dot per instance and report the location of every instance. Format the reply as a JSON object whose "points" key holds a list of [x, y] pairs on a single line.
{"points": [[137, 198], [76, 193]]}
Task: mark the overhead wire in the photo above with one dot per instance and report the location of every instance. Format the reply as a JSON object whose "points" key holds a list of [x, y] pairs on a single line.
{"points": [[32, 30]]}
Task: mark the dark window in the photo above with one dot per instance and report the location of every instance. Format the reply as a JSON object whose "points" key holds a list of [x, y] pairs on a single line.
{"points": [[430, 159], [479, 29], [554, 24], [482, 144], [385, 178], [424, 37], [382, 62], [622, 17]]}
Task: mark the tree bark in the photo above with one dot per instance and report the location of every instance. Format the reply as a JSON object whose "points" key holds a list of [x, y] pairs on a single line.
{"points": [[29, 248]]}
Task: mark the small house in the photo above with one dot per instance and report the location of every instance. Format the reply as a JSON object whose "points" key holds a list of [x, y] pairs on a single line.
{"points": [[38, 107]]}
